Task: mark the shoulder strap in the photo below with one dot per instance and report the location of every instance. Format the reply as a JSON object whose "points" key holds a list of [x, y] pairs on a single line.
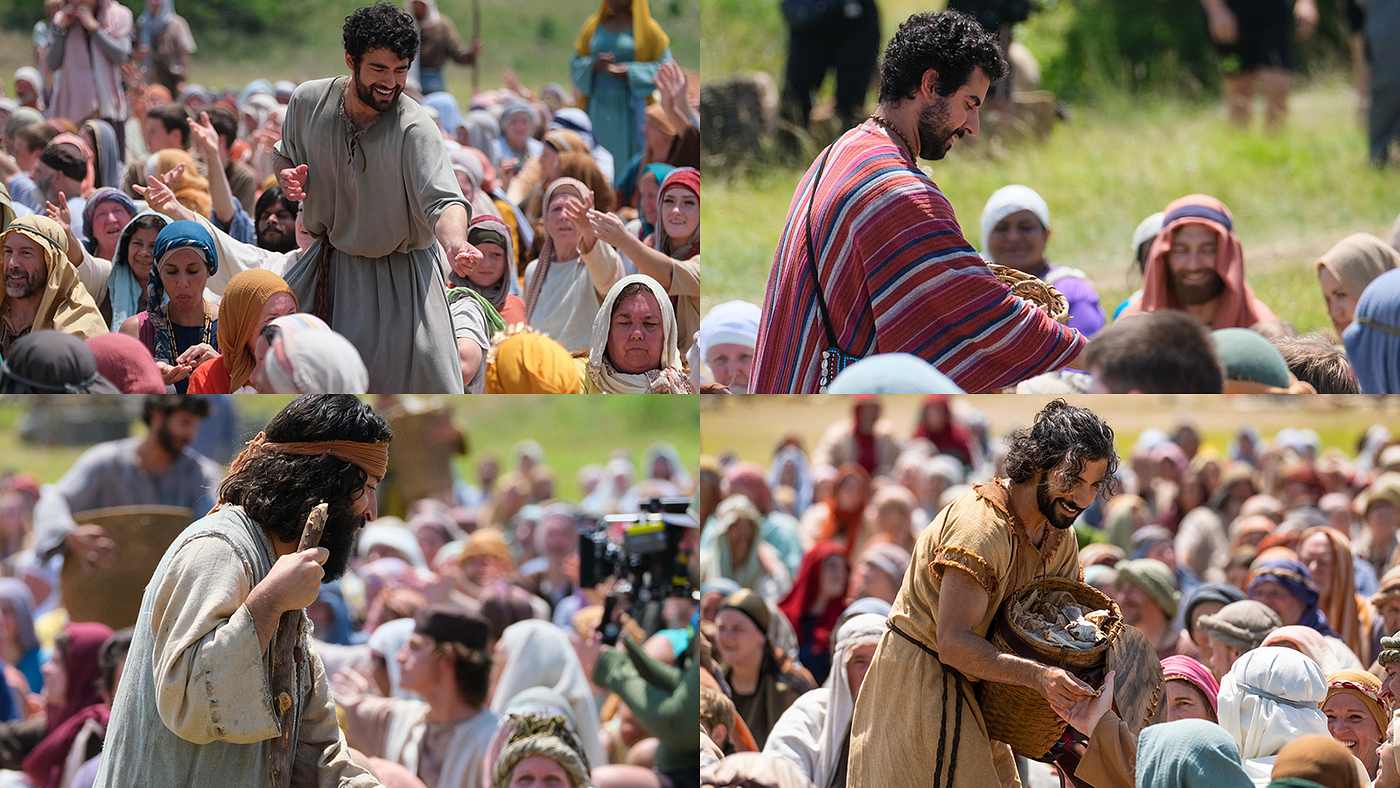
{"points": [[812, 256]]}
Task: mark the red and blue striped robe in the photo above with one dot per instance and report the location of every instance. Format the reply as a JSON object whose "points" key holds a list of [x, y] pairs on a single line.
{"points": [[898, 277]]}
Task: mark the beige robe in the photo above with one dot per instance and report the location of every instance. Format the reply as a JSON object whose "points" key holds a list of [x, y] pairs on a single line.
{"points": [[901, 712], [397, 730]]}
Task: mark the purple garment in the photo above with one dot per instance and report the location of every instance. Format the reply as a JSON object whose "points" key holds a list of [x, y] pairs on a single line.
{"points": [[1085, 313]]}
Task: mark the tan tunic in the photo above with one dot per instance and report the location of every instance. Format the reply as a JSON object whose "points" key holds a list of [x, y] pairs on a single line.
{"points": [[900, 713]]}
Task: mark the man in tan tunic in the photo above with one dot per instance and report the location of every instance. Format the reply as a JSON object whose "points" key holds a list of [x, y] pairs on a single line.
{"points": [[917, 720]]}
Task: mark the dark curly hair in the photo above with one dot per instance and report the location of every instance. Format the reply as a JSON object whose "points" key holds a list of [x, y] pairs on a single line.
{"points": [[380, 26], [1065, 434], [950, 43], [279, 490]]}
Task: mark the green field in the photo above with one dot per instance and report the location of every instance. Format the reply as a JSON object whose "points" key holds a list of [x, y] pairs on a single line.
{"points": [[534, 37], [574, 431], [1114, 162]]}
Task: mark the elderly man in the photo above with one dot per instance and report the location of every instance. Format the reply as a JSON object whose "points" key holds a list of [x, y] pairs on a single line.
{"points": [[728, 334], [1196, 265], [42, 290], [974, 555], [203, 703], [1146, 592]]}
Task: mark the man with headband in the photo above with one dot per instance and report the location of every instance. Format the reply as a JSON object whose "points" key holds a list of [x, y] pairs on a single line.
{"points": [[197, 706]]}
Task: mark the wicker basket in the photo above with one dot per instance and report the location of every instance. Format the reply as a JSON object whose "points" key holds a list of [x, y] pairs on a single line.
{"points": [[1020, 716], [112, 594], [1029, 288]]}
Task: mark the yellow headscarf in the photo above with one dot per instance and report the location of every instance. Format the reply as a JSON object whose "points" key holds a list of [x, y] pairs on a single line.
{"points": [[651, 39], [524, 361], [244, 298], [191, 189], [66, 305]]}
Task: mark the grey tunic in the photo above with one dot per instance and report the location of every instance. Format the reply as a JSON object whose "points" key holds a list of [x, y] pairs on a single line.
{"points": [[194, 706], [377, 201]]}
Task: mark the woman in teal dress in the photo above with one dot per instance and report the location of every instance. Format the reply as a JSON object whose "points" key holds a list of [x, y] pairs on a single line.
{"points": [[618, 51]]}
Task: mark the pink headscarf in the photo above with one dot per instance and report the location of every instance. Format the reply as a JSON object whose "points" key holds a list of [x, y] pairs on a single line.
{"points": [[1308, 641], [1188, 669]]}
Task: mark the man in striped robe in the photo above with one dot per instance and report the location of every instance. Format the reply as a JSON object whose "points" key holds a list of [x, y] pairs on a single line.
{"points": [[896, 272]]}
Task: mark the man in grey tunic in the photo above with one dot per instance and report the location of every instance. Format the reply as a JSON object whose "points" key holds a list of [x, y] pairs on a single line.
{"points": [[379, 195], [158, 468], [198, 704]]}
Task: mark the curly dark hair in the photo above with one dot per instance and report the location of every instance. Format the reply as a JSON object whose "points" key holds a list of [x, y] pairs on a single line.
{"points": [[279, 490], [1065, 434], [380, 26], [950, 43]]}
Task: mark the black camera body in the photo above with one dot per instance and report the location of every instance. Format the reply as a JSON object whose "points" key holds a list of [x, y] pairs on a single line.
{"points": [[648, 564]]}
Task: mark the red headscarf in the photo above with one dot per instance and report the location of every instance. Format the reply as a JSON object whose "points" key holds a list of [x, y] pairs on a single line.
{"points": [[804, 593], [1236, 307], [953, 439], [44, 764], [866, 453], [846, 523]]}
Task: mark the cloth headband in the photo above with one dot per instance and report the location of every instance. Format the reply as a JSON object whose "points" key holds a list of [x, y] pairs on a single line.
{"points": [[1200, 212], [372, 458], [1253, 690], [1369, 323], [39, 234], [1369, 692]]}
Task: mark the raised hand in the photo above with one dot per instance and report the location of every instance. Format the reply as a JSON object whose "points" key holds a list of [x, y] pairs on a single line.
{"points": [[162, 200], [608, 227], [205, 134]]}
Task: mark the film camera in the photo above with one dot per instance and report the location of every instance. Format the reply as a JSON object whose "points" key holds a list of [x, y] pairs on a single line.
{"points": [[648, 564]]}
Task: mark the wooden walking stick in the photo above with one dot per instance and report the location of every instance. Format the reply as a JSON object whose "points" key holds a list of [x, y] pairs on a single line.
{"points": [[286, 655]]}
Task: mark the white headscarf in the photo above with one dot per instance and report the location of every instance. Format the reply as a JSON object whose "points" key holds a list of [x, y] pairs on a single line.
{"points": [[730, 323], [1271, 696], [538, 654], [385, 641], [1006, 201], [669, 379], [433, 15], [304, 359]]}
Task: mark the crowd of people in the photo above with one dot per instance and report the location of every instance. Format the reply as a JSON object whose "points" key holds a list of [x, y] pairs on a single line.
{"points": [[874, 281], [339, 235], [451, 638], [846, 586]]}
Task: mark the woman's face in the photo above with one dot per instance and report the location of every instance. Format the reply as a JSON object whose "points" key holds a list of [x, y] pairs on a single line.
{"points": [[183, 272], [647, 189], [465, 183], [741, 534], [107, 223], [680, 215], [517, 130], [141, 253], [55, 673], [1316, 553], [658, 142], [1351, 723], [848, 495], [636, 333], [1018, 241], [1341, 304], [562, 229], [834, 577], [549, 163], [279, 305], [493, 263], [1185, 702], [935, 416], [537, 771], [738, 639], [1289, 608], [858, 662]]}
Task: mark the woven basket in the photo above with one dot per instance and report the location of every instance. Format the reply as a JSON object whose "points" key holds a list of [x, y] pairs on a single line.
{"points": [[1020, 716], [1027, 287], [112, 594]]}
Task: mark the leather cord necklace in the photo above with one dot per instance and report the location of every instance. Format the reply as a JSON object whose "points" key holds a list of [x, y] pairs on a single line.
{"points": [[891, 127]]}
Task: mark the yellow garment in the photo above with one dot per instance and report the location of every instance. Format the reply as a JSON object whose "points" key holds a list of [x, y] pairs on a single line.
{"points": [[524, 361], [651, 39], [191, 189], [488, 542], [900, 711], [66, 305], [244, 298]]}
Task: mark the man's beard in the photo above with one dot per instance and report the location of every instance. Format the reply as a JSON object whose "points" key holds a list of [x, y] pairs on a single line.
{"points": [[1045, 501], [284, 241], [32, 284], [935, 136], [1192, 295], [167, 441], [340, 537], [372, 99]]}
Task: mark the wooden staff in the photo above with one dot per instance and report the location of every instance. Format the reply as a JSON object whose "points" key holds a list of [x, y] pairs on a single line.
{"points": [[286, 655]]}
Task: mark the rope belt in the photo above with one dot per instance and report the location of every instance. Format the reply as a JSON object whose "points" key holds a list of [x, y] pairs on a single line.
{"points": [[957, 679]]}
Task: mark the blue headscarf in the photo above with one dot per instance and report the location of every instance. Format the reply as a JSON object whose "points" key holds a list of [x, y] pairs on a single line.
{"points": [[148, 26], [123, 291], [1189, 754], [253, 88], [176, 235], [661, 170], [342, 632], [1373, 338], [1296, 580], [448, 110], [106, 194]]}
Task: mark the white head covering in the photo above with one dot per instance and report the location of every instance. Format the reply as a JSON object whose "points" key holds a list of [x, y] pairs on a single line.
{"points": [[793, 455], [385, 641], [391, 532], [866, 628], [1271, 696], [313, 361], [1006, 201], [1148, 229], [669, 379], [730, 323], [538, 654], [433, 14]]}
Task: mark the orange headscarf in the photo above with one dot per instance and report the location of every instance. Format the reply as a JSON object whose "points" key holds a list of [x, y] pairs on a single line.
{"points": [[1237, 306], [244, 298], [845, 525], [1346, 610]]}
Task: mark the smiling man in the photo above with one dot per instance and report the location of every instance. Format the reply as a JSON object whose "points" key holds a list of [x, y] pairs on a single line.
{"points": [[872, 259], [1197, 265], [378, 194], [1005, 534]]}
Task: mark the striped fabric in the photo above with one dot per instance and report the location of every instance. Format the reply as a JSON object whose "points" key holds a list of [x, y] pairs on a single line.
{"points": [[899, 277]]}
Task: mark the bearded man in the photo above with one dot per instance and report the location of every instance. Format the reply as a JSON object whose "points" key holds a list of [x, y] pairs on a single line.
{"points": [[917, 718], [872, 259], [198, 706], [379, 196], [1197, 265]]}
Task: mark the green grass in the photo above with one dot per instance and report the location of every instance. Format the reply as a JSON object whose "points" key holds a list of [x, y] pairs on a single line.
{"points": [[574, 431], [534, 37], [1292, 196]]}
